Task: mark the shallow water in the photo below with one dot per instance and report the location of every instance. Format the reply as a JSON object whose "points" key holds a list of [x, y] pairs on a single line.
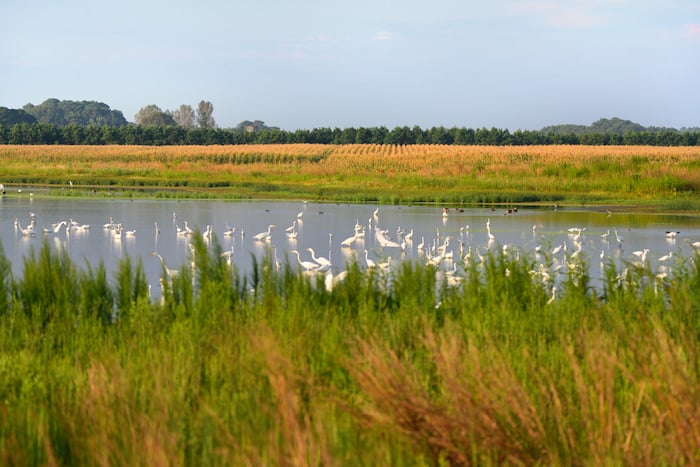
{"points": [[465, 228]]}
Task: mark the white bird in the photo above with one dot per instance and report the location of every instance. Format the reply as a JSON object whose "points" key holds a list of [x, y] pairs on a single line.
{"points": [[434, 260], [370, 264], [641, 254], [25, 232], [554, 295], [671, 234], [228, 256], [442, 248], [320, 260], [331, 281], [579, 247], [348, 242], [385, 264], [229, 231], [57, 226], [301, 213], [488, 231], [292, 227], [468, 256], [666, 257], [328, 281], [307, 265], [170, 272], [618, 238], [278, 263], [263, 236], [206, 235], [385, 242]]}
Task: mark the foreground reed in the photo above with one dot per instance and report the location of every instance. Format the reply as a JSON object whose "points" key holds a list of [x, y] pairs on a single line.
{"points": [[273, 368]]}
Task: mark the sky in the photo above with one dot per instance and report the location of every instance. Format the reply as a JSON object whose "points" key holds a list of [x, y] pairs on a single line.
{"points": [[304, 64]]}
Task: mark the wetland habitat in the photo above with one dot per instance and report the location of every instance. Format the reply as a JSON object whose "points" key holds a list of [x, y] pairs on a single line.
{"points": [[520, 352]]}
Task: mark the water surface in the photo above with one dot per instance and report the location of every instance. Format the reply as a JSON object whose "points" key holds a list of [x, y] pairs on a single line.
{"points": [[324, 226]]}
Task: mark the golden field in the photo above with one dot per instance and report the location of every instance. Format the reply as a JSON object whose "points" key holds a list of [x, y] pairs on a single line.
{"points": [[371, 173]]}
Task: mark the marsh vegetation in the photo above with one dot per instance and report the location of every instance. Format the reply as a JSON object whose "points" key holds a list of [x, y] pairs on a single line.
{"points": [[665, 177], [274, 367]]}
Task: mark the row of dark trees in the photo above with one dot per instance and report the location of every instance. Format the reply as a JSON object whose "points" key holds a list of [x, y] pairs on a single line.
{"points": [[62, 113], [44, 133], [88, 122], [66, 112]]}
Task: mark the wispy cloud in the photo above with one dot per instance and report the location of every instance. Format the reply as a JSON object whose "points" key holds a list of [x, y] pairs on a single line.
{"points": [[573, 15], [383, 36], [573, 19], [692, 31]]}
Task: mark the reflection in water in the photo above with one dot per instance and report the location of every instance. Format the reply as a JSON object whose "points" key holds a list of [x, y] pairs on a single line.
{"points": [[340, 233]]}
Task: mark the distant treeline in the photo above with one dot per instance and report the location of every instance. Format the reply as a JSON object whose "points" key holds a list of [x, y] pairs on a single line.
{"points": [[44, 133]]}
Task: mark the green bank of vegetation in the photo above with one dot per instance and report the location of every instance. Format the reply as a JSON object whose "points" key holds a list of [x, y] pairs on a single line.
{"points": [[657, 177], [275, 368], [165, 135]]}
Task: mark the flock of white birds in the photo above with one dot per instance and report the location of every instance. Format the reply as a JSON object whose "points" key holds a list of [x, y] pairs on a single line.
{"points": [[451, 255]]}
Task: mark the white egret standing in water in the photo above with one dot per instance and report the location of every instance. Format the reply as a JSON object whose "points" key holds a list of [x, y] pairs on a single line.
{"points": [[307, 265], [320, 260], [262, 236], [170, 272]]}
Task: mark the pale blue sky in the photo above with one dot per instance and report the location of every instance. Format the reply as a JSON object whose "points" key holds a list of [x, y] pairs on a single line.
{"points": [[323, 63]]}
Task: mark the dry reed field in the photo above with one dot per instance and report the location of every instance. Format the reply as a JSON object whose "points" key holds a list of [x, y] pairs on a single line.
{"points": [[372, 173]]}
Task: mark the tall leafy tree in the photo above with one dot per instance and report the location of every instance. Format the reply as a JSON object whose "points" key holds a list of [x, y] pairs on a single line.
{"points": [[152, 115], [184, 116], [83, 113], [9, 117], [205, 109]]}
